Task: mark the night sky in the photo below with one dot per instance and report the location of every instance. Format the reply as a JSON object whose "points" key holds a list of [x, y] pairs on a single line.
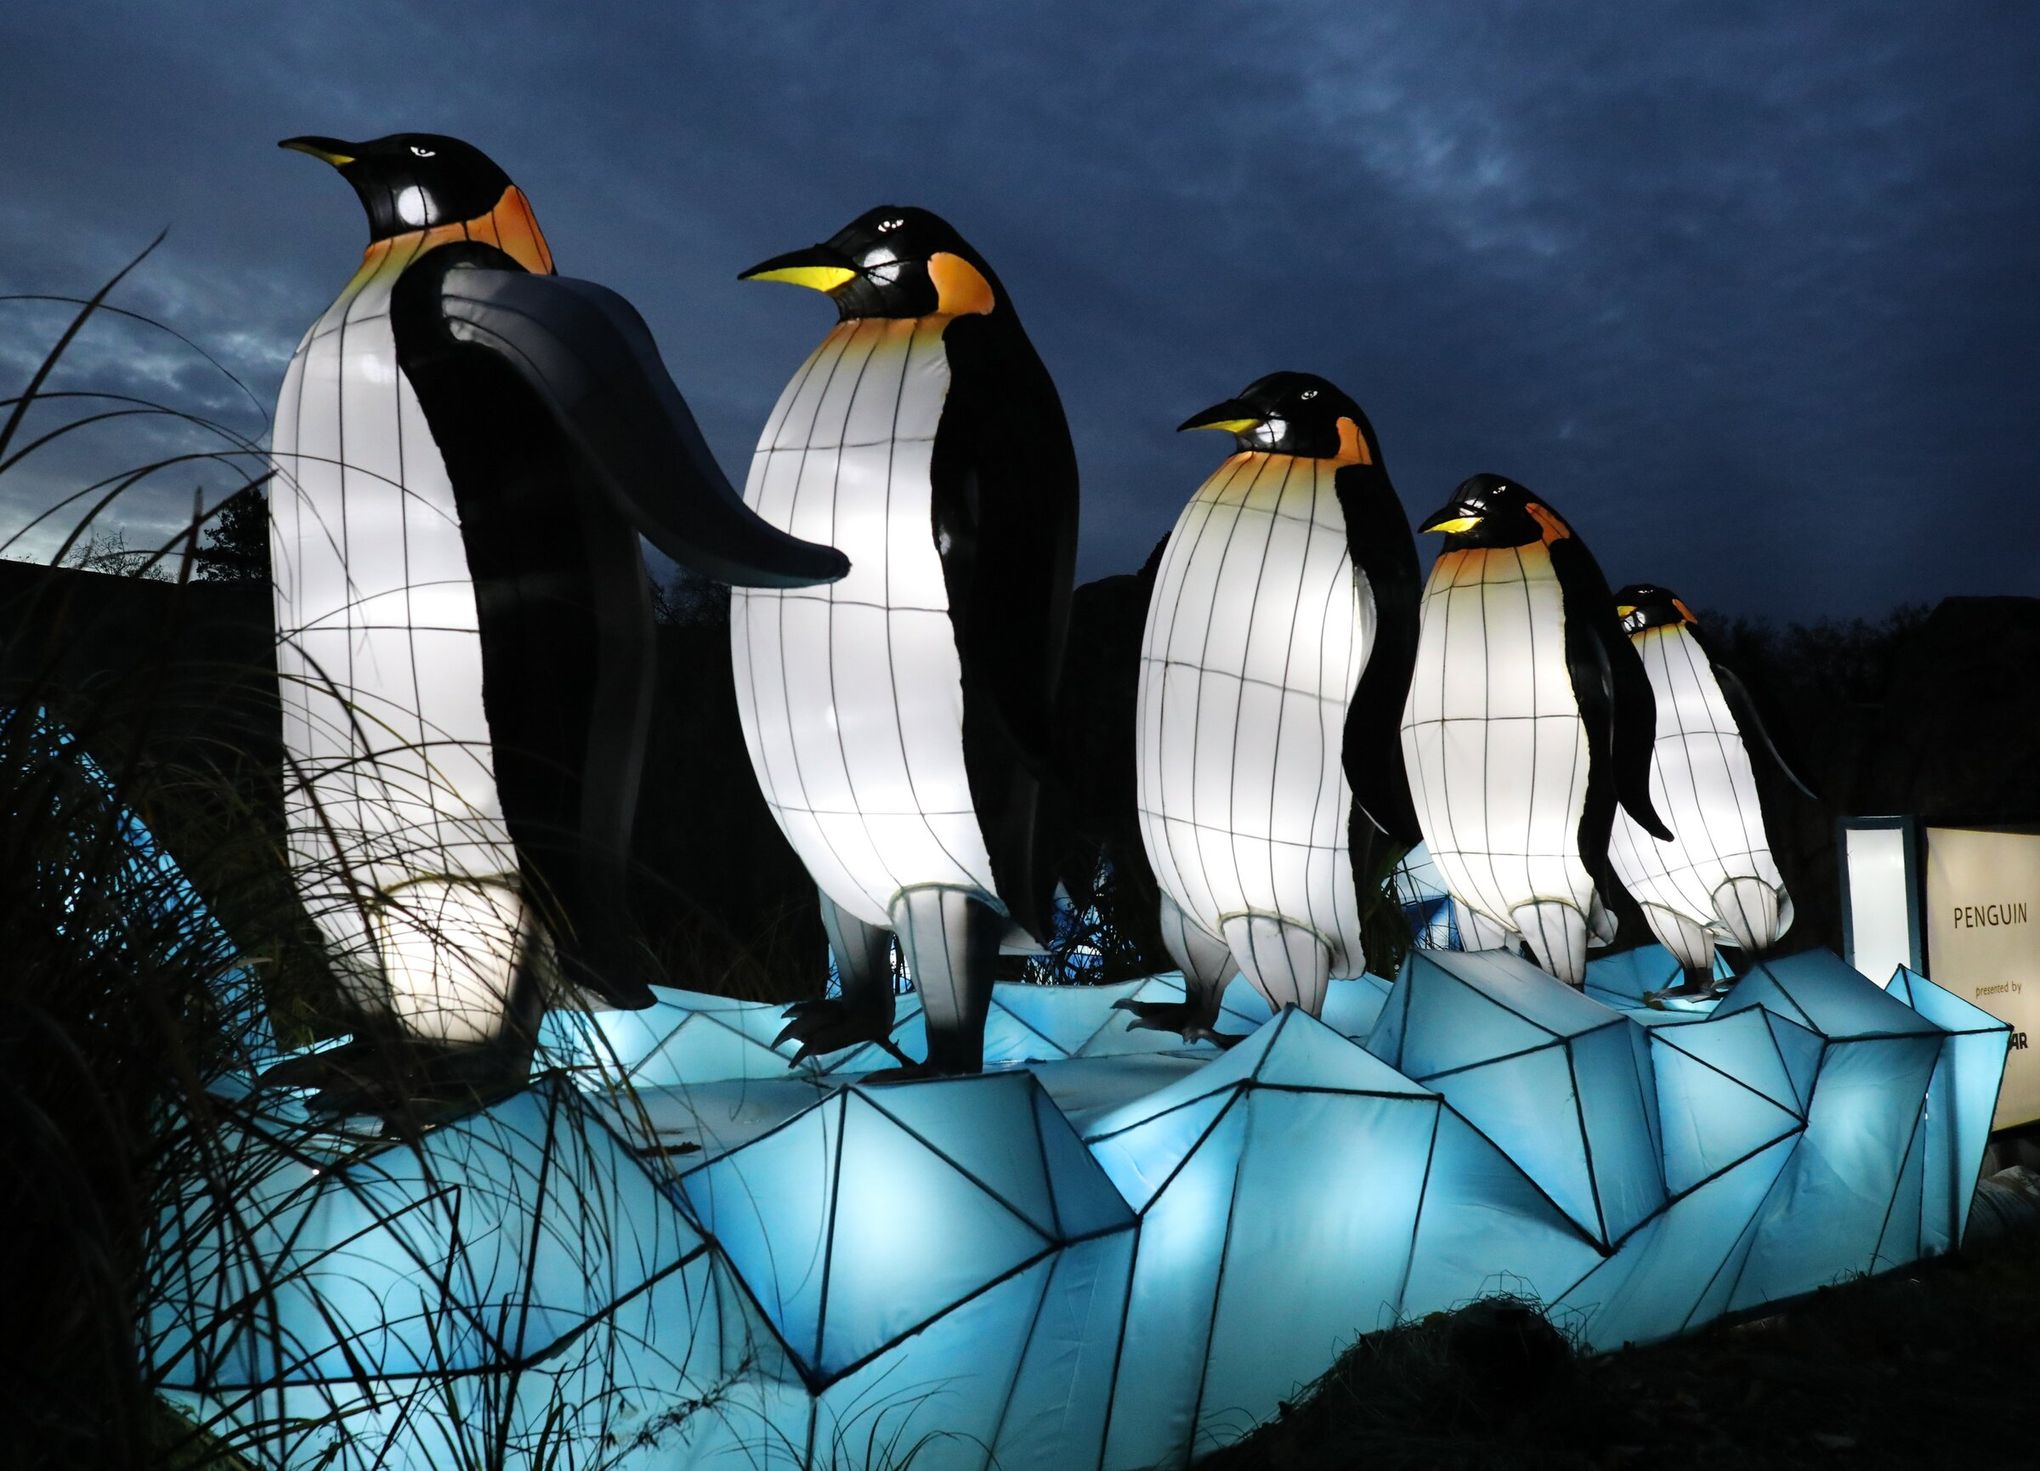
{"points": [[1750, 292]]}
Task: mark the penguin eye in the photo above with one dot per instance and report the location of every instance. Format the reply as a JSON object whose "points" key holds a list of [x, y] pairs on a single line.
{"points": [[423, 152]]}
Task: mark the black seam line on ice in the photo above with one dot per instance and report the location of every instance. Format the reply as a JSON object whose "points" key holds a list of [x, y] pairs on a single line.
{"points": [[1790, 1136], [829, 1221], [1914, 1141], [1572, 1072], [942, 1154], [1119, 1357], [1796, 1109], [1409, 1266], [1232, 1216]]}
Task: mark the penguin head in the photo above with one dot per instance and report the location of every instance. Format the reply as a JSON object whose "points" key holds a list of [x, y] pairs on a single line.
{"points": [[1644, 605], [1293, 414], [412, 181], [1493, 511], [893, 261]]}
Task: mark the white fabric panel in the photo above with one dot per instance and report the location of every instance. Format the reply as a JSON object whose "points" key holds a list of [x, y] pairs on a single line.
{"points": [[390, 776], [1703, 787], [851, 694], [1496, 750], [1256, 637], [1287, 963]]}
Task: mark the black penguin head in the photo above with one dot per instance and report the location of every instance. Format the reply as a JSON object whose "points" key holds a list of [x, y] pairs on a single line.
{"points": [[893, 261], [412, 181], [1293, 414], [1644, 605], [1492, 511]]}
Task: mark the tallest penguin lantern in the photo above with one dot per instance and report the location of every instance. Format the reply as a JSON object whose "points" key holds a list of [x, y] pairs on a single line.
{"points": [[897, 719], [1529, 719], [467, 448]]}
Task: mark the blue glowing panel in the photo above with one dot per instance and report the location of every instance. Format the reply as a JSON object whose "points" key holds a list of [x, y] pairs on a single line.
{"points": [[1550, 1076], [1658, 1282], [946, 1270], [1719, 1087], [1830, 1208], [1305, 1269], [1486, 1226], [1167, 1329], [1960, 1103], [1064, 1389], [768, 1205]]}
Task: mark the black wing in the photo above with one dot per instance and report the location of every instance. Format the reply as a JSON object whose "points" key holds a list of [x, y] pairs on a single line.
{"points": [[1749, 719], [1378, 538], [1004, 481], [591, 360], [1615, 702]]}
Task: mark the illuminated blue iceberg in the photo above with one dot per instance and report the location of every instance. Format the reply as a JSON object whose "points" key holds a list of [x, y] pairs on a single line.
{"points": [[674, 1251]]}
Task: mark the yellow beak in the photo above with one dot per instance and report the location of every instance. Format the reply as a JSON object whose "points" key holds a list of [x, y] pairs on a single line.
{"points": [[818, 278], [1456, 525], [1623, 610], [326, 150]]}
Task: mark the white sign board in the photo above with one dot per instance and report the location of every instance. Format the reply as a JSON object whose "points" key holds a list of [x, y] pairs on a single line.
{"points": [[1879, 893], [1983, 942]]}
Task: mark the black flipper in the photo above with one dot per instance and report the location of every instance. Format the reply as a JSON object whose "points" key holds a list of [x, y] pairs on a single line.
{"points": [[1004, 513], [591, 360], [1615, 700], [1379, 541], [1748, 713], [563, 438]]}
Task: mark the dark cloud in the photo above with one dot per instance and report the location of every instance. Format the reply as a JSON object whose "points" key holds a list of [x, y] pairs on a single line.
{"points": [[1746, 290]]}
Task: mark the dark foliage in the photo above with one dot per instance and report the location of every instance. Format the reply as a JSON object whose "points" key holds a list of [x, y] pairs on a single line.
{"points": [[236, 545]]}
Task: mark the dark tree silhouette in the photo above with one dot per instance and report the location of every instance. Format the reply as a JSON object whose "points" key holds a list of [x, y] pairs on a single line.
{"points": [[236, 541]]}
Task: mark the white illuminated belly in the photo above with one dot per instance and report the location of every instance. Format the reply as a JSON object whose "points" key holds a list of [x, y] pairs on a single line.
{"points": [[1492, 737], [390, 778], [1702, 785], [1256, 636], [851, 694]]}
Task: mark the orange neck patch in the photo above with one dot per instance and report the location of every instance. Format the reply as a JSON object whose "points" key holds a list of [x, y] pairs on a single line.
{"points": [[509, 225], [1547, 519], [961, 289], [1353, 448]]}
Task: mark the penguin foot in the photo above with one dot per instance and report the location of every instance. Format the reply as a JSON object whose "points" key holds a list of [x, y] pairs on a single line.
{"points": [[826, 1024], [1687, 991], [908, 1072], [1180, 1017]]}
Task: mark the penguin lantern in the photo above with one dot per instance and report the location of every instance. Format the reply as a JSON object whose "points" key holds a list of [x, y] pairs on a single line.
{"points": [[1276, 656], [466, 450], [1529, 719], [896, 720], [1716, 881]]}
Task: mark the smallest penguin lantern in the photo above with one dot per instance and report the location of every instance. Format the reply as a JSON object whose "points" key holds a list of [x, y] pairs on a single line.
{"points": [[1276, 655], [1716, 882], [1529, 718]]}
